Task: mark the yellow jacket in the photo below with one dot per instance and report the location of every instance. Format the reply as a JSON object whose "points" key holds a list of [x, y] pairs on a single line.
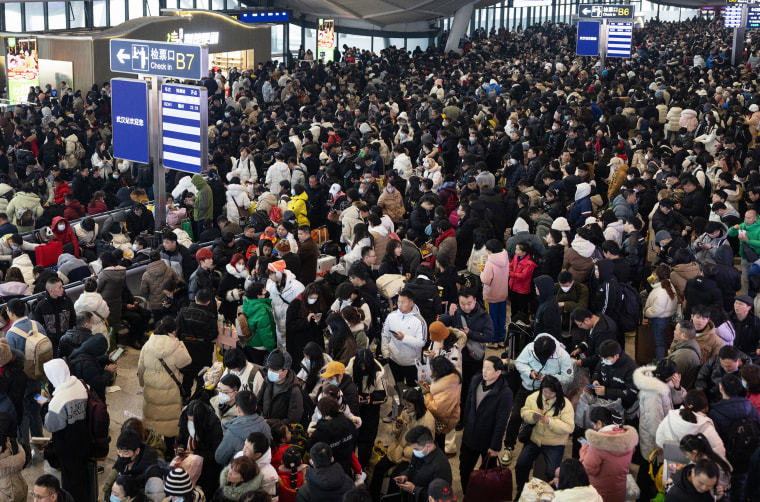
{"points": [[297, 204], [559, 427]]}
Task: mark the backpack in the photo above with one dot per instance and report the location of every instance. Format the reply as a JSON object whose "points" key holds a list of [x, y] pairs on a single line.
{"points": [[37, 351], [743, 440], [260, 221], [98, 422], [26, 217], [629, 313], [275, 214]]}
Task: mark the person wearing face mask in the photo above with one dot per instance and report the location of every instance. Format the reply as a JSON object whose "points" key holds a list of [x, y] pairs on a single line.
{"points": [[151, 284], [391, 202], [224, 401], [428, 463], [613, 378], [62, 232], [231, 286], [178, 487], [137, 461], [127, 489], [281, 398], [246, 422], [200, 433]]}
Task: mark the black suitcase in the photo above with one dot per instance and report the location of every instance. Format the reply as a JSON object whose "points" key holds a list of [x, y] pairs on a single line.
{"points": [[518, 336]]}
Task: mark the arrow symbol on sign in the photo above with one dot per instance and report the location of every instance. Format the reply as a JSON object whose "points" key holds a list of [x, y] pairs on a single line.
{"points": [[122, 56], [585, 11]]}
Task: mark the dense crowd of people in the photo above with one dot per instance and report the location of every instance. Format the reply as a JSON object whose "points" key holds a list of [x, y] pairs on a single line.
{"points": [[453, 249]]}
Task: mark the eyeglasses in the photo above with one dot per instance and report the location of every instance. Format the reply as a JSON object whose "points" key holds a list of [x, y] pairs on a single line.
{"points": [[37, 496]]}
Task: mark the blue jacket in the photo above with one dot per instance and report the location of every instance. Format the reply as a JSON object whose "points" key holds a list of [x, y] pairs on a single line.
{"points": [[235, 432], [580, 210], [484, 425], [726, 412], [559, 365], [16, 341]]}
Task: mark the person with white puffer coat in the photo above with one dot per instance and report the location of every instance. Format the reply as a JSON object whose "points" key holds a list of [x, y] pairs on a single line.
{"points": [[237, 197], [691, 418]]}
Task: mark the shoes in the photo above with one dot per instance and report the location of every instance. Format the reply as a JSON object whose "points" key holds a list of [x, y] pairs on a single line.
{"points": [[460, 426], [388, 418], [136, 344], [492, 345], [506, 457], [101, 469], [502, 345]]}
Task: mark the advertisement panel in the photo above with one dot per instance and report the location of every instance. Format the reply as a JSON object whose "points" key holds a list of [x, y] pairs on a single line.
{"points": [[22, 67], [326, 39]]}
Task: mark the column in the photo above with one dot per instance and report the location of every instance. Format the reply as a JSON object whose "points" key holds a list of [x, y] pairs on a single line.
{"points": [[458, 26]]}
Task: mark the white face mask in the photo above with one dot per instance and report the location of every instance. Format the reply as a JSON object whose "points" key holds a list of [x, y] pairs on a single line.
{"points": [[607, 362], [311, 301], [134, 247], [565, 288], [240, 267], [61, 227], [224, 398], [191, 429]]}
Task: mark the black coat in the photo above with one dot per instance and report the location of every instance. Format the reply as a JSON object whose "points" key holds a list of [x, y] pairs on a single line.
{"points": [[484, 425], [552, 264], [618, 380], [228, 283], [324, 483], [548, 315], [208, 432], [747, 333], [605, 329], [425, 297], [340, 433], [87, 362], [16, 378], [702, 291], [422, 471], [709, 376], [683, 490]]}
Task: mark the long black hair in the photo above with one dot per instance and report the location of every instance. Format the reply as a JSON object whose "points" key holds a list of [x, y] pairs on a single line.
{"points": [[414, 396], [551, 383], [572, 474], [440, 367], [317, 358], [339, 333], [364, 365], [699, 443]]}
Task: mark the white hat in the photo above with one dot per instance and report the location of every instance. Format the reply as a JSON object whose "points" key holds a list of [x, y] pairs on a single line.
{"points": [[591, 220], [561, 224], [334, 189], [615, 160], [753, 108]]}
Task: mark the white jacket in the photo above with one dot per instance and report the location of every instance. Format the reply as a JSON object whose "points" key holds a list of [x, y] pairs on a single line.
{"points": [[246, 170], [277, 172], [93, 302], [673, 428], [403, 164], [405, 351], [182, 185], [656, 400], [24, 264], [578, 494], [659, 303], [281, 300], [237, 196]]}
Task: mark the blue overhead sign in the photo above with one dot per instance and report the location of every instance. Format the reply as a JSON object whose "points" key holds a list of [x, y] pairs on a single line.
{"points": [[184, 125], [158, 58], [265, 17], [129, 104], [753, 17], [619, 40], [588, 38], [604, 11]]}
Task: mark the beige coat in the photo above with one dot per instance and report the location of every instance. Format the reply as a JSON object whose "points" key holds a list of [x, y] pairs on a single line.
{"points": [[162, 403], [13, 487], [151, 285], [443, 400], [392, 204], [399, 450], [682, 273], [709, 343]]}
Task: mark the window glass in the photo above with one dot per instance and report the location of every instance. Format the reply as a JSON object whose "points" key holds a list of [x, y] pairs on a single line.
{"points": [[13, 17], [76, 14], [35, 16], [135, 9], [99, 13], [57, 15], [118, 12]]}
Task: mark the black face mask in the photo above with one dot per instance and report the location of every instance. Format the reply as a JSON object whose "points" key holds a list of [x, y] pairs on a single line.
{"points": [[122, 463]]}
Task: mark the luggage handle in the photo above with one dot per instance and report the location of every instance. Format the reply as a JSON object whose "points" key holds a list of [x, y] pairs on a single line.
{"points": [[487, 462]]}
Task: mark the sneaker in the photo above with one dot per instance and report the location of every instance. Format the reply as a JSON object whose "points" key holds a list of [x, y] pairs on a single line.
{"points": [[388, 418], [506, 457]]}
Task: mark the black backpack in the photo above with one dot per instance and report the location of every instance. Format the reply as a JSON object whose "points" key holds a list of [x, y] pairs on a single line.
{"points": [[743, 440], [629, 312]]}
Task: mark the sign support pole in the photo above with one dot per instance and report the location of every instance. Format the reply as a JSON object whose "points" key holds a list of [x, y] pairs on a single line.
{"points": [[602, 46], [159, 180], [737, 47]]}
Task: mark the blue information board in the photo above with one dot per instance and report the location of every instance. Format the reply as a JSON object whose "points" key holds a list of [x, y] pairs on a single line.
{"points": [[732, 16], [619, 40], [158, 58], [184, 125], [587, 42], [265, 17], [129, 107], [753, 17]]}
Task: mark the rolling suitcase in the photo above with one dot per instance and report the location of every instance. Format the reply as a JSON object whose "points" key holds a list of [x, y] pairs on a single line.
{"points": [[324, 263], [518, 336], [644, 349]]}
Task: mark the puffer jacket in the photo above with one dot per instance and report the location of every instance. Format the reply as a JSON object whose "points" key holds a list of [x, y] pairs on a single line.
{"points": [[349, 219], [443, 400], [93, 302], [659, 303], [495, 277], [406, 351], [578, 259], [521, 274], [281, 299], [111, 283], [674, 117], [578, 494], [607, 459], [709, 343], [559, 365], [673, 427], [297, 204], [656, 399], [151, 284], [392, 204], [88, 361], [560, 426], [682, 273], [688, 120], [261, 322], [726, 412], [400, 451], [707, 256], [162, 403], [204, 199], [237, 196], [725, 275], [21, 202], [13, 487], [229, 493]]}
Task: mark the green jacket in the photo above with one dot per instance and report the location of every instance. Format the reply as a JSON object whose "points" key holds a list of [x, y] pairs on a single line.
{"points": [[753, 236], [261, 321], [204, 199]]}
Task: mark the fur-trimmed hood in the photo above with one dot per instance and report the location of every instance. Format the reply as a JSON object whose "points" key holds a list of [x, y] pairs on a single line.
{"points": [[644, 379], [618, 442]]}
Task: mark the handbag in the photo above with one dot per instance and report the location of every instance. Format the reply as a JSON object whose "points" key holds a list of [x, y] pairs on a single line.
{"points": [[489, 483], [526, 430], [750, 254], [183, 394], [476, 350]]}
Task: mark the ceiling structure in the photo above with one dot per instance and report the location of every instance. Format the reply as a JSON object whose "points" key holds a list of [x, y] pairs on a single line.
{"points": [[380, 13]]}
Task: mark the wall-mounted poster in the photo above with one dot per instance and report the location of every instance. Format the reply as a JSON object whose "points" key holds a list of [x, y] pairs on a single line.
{"points": [[23, 69]]}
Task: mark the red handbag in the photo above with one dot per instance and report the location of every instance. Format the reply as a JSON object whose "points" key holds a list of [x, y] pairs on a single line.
{"points": [[493, 484], [47, 255]]}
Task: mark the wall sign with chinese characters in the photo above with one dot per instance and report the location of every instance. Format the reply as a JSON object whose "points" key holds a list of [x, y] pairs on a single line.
{"points": [[206, 38]]}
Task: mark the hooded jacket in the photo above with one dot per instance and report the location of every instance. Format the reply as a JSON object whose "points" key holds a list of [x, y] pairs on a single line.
{"points": [[340, 433], [558, 365], [324, 483], [686, 354], [406, 351], [231, 493], [20, 203], [725, 275], [673, 427], [88, 362], [707, 256], [204, 199], [151, 284], [495, 277], [237, 197], [521, 274], [282, 401], [282, 299], [66, 416], [71, 340], [162, 403], [617, 379], [578, 259], [548, 316], [66, 235], [656, 400], [443, 400], [235, 433], [261, 322], [607, 459], [93, 302], [581, 208]]}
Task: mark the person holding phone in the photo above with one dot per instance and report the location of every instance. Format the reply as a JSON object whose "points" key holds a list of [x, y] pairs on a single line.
{"points": [[694, 483], [90, 362], [428, 463]]}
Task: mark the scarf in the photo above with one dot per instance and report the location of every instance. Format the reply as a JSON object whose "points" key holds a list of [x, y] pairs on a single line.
{"points": [[448, 233]]}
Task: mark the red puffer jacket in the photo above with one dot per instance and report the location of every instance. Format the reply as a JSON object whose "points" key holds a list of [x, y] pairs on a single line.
{"points": [[521, 274]]}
